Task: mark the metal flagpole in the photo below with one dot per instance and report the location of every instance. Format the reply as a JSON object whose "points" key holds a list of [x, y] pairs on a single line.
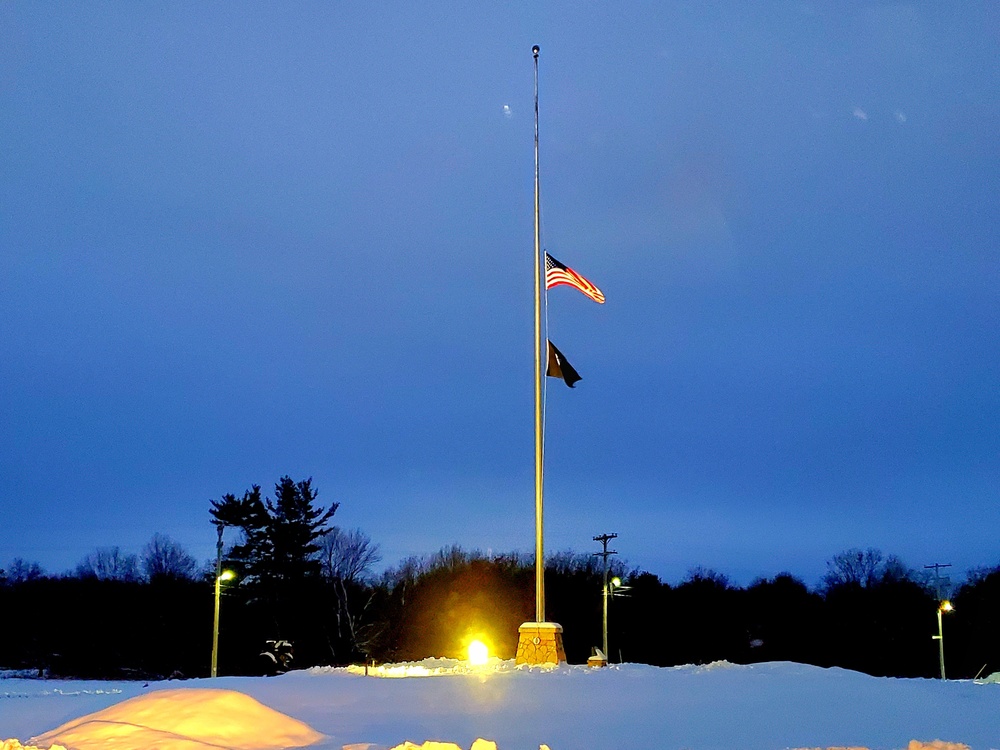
{"points": [[539, 443], [539, 642]]}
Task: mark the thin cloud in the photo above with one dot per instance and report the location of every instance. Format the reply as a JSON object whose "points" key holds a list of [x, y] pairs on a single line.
{"points": [[860, 113]]}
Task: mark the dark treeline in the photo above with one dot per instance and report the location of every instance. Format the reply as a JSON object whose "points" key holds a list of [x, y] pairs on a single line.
{"points": [[300, 578]]}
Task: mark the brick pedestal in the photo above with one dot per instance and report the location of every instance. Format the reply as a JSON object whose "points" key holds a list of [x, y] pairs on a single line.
{"points": [[540, 643]]}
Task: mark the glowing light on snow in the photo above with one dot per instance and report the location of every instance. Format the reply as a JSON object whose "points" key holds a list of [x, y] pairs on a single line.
{"points": [[478, 653], [432, 667], [183, 719]]}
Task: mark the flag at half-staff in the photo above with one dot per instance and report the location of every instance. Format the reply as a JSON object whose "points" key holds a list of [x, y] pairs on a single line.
{"points": [[558, 367], [556, 273]]}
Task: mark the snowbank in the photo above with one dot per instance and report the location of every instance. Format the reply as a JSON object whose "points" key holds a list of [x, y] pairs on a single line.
{"points": [[623, 707], [183, 719]]}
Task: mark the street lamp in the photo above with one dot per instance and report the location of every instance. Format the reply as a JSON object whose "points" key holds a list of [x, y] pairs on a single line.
{"points": [[220, 576], [945, 606], [225, 575]]}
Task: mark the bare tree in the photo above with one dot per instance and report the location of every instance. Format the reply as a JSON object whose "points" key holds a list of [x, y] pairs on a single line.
{"points": [[864, 568], [853, 567], [348, 555], [165, 558], [405, 574], [21, 570], [347, 558], [700, 574], [453, 557], [569, 563], [109, 564]]}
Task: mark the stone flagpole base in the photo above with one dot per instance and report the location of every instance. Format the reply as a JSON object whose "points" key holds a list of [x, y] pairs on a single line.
{"points": [[540, 643]]}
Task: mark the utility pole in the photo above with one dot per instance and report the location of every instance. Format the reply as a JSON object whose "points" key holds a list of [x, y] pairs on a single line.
{"points": [[604, 539], [943, 606], [938, 580]]}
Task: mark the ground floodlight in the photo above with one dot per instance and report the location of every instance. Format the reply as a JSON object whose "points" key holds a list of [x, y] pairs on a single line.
{"points": [[478, 653]]}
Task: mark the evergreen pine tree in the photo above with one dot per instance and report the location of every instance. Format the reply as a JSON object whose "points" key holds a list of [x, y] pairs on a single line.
{"points": [[277, 554]]}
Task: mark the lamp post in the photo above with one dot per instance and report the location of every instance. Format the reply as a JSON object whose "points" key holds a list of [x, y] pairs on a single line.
{"points": [[945, 606], [220, 576], [225, 575]]}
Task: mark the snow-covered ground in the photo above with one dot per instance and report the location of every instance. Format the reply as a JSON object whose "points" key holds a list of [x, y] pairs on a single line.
{"points": [[760, 706]]}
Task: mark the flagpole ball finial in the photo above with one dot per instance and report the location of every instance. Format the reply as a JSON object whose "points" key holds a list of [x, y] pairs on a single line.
{"points": [[534, 50]]}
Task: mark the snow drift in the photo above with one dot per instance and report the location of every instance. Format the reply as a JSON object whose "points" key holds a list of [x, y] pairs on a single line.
{"points": [[719, 706], [183, 719]]}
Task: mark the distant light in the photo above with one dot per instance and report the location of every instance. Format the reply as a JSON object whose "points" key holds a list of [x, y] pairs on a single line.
{"points": [[616, 581], [478, 653], [946, 606], [227, 575]]}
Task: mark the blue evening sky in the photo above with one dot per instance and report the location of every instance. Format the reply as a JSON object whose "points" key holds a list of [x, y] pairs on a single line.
{"points": [[242, 240]]}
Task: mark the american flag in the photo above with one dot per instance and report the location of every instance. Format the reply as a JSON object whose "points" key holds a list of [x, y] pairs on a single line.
{"points": [[556, 273]]}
